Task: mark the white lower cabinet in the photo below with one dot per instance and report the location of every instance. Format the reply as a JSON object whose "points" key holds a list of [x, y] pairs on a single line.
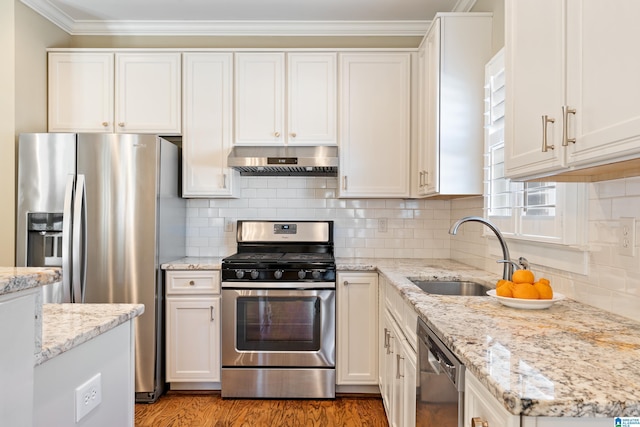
{"points": [[479, 403], [193, 328], [357, 321], [398, 359]]}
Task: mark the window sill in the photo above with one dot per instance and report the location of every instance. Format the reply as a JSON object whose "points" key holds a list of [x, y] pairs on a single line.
{"points": [[560, 257]]}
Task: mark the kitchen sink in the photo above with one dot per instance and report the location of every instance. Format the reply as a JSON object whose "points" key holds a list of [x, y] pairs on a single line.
{"points": [[451, 287]]}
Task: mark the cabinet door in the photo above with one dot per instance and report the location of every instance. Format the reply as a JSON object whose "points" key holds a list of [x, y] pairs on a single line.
{"points": [[374, 124], [535, 86], [407, 376], [602, 81], [80, 92], [479, 403], [357, 320], [259, 96], [148, 93], [206, 136], [311, 98], [193, 339]]}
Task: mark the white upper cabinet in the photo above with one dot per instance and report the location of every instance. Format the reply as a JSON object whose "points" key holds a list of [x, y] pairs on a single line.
{"points": [[310, 88], [450, 104], [207, 125], [375, 94], [572, 89], [259, 103], [80, 92], [121, 92], [148, 92]]}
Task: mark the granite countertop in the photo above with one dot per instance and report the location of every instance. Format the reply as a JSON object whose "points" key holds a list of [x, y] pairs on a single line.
{"points": [[66, 326], [193, 263], [14, 279], [570, 360]]}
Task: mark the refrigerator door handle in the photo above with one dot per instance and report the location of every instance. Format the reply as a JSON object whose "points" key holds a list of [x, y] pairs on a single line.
{"points": [[79, 240], [66, 239]]}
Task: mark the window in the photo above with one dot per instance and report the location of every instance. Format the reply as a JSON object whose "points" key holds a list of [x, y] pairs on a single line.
{"points": [[542, 212]]}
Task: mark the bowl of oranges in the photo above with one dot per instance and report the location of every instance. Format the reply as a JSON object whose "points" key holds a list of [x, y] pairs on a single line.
{"points": [[525, 292]]}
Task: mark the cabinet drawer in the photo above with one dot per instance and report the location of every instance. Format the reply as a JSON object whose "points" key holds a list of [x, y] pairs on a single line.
{"points": [[193, 282]]}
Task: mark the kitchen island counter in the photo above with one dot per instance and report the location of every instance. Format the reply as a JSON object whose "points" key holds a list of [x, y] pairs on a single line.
{"points": [[66, 326], [14, 279]]}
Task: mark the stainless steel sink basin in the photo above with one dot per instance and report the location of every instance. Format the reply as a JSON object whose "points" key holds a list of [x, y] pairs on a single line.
{"points": [[451, 287]]}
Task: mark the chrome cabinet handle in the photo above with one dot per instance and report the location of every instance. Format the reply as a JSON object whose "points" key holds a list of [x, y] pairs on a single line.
{"points": [[421, 181], [386, 338], [344, 182], [565, 125], [545, 121], [212, 313], [224, 180], [479, 422]]}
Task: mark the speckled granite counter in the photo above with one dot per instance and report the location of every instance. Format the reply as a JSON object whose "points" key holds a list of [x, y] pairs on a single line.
{"points": [[193, 263], [14, 279], [571, 360], [66, 326]]}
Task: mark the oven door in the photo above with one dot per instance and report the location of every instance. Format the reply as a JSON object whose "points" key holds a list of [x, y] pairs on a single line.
{"points": [[278, 327]]}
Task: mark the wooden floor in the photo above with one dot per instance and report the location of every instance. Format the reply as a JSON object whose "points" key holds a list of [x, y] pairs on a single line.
{"points": [[186, 409]]}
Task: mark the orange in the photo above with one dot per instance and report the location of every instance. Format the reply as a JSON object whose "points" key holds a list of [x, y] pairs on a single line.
{"points": [[525, 291], [544, 289], [522, 276], [504, 291]]}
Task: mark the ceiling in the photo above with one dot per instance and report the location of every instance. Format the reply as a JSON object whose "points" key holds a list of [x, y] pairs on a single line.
{"points": [[245, 17]]}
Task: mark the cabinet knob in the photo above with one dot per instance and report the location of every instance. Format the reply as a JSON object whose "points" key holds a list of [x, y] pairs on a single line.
{"points": [[479, 422], [276, 134], [192, 283], [121, 124], [293, 135], [346, 283], [105, 124]]}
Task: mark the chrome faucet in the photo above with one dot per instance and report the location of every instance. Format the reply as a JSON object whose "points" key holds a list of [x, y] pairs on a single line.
{"points": [[506, 259]]}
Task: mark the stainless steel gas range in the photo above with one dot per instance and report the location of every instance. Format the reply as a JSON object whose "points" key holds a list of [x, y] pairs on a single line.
{"points": [[278, 311]]}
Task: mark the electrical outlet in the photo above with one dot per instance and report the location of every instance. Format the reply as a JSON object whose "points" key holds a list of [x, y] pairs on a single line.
{"points": [[627, 240], [228, 225], [382, 225], [88, 396]]}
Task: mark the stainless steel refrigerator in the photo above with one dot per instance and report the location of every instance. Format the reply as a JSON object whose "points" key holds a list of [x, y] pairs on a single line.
{"points": [[107, 209]]}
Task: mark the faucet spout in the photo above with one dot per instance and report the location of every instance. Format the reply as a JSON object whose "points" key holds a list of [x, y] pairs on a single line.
{"points": [[508, 267]]}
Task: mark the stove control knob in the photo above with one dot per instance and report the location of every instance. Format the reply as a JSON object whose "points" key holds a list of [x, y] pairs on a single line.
{"points": [[239, 274], [316, 274], [277, 274], [302, 274], [254, 274]]}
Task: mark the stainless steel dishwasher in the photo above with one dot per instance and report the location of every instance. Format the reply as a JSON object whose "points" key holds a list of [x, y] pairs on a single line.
{"points": [[440, 382]]}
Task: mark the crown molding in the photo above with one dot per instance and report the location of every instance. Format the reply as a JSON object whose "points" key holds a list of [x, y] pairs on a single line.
{"points": [[226, 28], [250, 28]]}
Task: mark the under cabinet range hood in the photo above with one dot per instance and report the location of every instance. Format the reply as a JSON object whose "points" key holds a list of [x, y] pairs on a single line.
{"points": [[284, 161]]}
